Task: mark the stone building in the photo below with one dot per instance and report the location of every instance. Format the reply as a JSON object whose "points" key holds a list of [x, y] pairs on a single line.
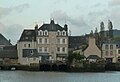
{"points": [[26, 47], [92, 52], [109, 52], [52, 41], [48, 42]]}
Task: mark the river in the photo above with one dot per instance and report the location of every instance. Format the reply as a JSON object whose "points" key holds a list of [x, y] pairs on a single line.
{"points": [[25, 76]]}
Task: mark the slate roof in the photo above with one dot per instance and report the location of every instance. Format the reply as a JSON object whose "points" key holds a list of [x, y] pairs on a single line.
{"points": [[93, 57], [52, 27], [4, 41], [28, 35]]}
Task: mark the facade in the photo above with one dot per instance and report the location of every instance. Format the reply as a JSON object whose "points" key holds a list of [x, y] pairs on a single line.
{"points": [[52, 41], [26, 48], [46, 43], [92, 52], [109, 52]]}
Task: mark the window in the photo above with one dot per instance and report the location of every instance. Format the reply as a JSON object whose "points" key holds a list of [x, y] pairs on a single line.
{"points": [[29, 45], [58, 41], [118, 51], [106, 46], [58, 49], [40, 32], [106, 53], [45, 32], [111, 46], [63, 33], [63, 41], [63, 49], [31, 52], [45, 49], [40, 40], [111, 52], [46, 40], [24, 45], [58, 33], [40, 49]]}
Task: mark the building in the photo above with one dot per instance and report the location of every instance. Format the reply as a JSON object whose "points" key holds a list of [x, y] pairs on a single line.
{"points": [[52, 41], [92, 52], [26, 48], [48, 42], [8, 52], [109, 52]]}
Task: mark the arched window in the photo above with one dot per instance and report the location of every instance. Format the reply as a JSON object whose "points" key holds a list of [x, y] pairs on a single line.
{"points": [[64, 33], [45, 32], [40, 32], [58, 33]]}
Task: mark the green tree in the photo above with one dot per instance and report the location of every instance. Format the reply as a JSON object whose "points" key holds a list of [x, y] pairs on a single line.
{"points": [[75, 55]]}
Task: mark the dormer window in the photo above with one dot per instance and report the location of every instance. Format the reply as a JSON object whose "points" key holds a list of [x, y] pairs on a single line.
{"points": [[64, 33], [40, 32], [26, 38], [45, 32], [58, 33]]}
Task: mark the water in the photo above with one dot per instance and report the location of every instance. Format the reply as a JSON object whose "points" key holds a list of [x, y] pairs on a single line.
{"points": [[25, 76]]}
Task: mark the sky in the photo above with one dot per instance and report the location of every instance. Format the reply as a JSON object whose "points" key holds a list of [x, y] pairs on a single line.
{"points": [[81, 16]]}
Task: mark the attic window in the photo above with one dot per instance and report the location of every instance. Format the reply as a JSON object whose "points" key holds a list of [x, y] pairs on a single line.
{"points": [[58, 32], [26, 37], [40, 32], [63, 33], [45, 32]]}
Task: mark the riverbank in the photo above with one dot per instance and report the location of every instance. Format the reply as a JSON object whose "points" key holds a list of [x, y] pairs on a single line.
{"points": [[92, 67]]}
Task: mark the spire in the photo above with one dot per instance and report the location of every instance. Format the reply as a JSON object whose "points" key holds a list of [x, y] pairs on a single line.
{"points": [[91, 33], [110, 25], [96, 30], [102, 28], [52, 21]]}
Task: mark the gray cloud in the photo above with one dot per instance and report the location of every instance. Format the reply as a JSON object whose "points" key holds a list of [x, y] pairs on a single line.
{"points": [[62, 16], [114, 3], [14, 36], [7, 31], [7, 11], [77, 24]]}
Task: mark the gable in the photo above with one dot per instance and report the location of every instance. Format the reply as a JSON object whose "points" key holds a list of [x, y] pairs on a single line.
{"points": [[3, 40]]}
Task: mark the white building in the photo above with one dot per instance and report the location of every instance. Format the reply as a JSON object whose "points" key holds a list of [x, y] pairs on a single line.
{"points": [[109, 52], [52, 41], [48, 42]]}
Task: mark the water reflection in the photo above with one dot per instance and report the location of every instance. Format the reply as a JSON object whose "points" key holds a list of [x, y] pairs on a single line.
{"points": [[25, 76]]}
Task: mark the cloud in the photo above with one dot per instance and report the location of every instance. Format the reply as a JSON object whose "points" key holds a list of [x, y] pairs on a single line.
{"points": [[2, 26], [7, 11], [114, 3], [11, 32], [77, 24], [114, 16], [63, 17]]}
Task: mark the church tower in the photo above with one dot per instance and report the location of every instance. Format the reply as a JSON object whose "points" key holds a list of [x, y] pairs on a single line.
{"points": [[110, 30]]}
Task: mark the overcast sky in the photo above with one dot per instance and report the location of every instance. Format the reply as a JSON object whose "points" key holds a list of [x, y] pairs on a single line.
{"points": [[80, 15]]}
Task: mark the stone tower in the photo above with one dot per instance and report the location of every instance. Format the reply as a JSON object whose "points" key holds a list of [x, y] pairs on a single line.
{"points": [[110, 30]]}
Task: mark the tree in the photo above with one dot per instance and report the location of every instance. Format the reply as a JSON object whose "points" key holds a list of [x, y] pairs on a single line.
{"points": [[75, 55]]}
